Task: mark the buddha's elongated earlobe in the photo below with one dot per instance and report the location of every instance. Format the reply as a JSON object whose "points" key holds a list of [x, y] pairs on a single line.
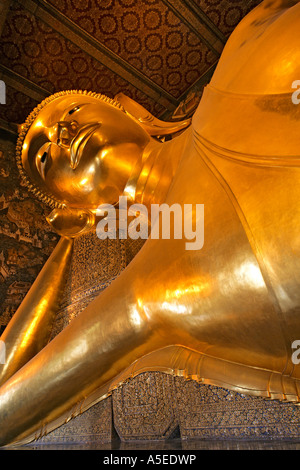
{"points": [[71, 222]]}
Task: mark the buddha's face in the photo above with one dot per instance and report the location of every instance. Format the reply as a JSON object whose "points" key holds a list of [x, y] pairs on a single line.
{"points": [[82, 150]]}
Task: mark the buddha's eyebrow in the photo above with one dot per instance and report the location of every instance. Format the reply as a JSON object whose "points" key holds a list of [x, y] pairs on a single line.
{"points": [[74, 109], [70, 112]]}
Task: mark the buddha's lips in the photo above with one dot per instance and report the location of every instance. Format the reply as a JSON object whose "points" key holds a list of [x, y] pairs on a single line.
{"points": [[79, 142]]}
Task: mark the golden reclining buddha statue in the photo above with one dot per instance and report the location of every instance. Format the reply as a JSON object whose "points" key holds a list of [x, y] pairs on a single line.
{"points": [[226, 314]]}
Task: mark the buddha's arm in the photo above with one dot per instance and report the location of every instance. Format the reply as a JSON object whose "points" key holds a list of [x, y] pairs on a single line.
{"points": [[30, 327], [98, 344]]}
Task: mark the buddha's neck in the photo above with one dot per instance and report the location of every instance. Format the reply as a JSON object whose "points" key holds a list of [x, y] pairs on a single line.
{"points": [[152, 177]]}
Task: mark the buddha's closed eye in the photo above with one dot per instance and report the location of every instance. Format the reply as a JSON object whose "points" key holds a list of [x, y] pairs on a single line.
{"points": [[43, 159], [73, 110]]}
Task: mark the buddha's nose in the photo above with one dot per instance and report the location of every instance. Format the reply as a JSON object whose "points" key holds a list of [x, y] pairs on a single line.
{"points": [[78, 143], [63, 134], [66, 132]]}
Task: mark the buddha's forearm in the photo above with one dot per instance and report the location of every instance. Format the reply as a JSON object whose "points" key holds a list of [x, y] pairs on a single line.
{"points": [[29, 329]]}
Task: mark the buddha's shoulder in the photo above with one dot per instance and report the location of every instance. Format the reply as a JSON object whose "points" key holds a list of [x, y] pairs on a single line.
{"points": [[262, 55]]}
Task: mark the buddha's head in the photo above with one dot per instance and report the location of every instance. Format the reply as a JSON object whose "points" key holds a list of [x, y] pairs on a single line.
{"points": [[78, 149]]}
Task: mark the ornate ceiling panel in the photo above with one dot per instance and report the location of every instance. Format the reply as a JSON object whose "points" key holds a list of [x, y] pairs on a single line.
{"points": [[148, 36], [155, 51], [225, 14]]}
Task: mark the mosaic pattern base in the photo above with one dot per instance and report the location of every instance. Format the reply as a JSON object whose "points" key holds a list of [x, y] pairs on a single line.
{"points": [[210, 412], [157, 407], [145, 408], [95, 425]]}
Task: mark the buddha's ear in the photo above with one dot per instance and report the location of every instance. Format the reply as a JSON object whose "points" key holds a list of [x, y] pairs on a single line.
{"points": [[150, 124], [71, 222]]}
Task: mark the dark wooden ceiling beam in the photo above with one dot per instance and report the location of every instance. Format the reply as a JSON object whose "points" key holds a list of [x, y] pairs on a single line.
{"points": [[9, 127], [199, 23], [198, 12], [22, 84], [71, 31]]}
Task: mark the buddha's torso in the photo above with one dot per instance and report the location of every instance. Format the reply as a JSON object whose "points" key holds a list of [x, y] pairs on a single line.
{"points": [[240, 292]]}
